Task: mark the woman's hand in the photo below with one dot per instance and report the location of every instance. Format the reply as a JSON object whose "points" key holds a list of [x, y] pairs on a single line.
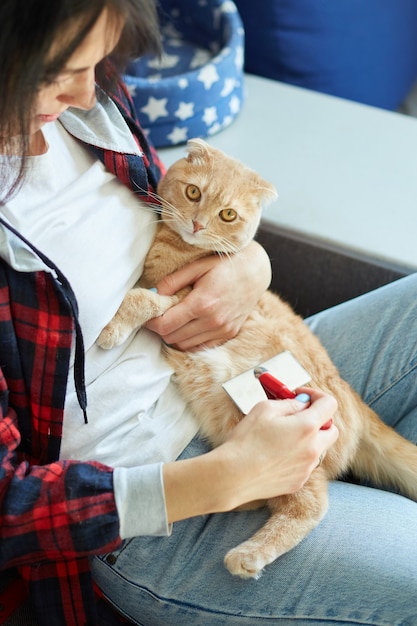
{"points": [[224, 292], [279, 443], [271, 452]]}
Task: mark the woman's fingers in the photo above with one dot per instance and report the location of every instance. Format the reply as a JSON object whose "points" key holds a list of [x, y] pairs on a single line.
{"points": [[280, 442], [224, 292]]}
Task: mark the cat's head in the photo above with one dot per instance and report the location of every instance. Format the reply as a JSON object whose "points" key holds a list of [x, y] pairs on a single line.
{"points": [[212, 200]]}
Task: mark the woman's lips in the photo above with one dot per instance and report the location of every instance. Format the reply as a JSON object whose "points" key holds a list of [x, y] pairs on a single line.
{"points": [[48, 118]]}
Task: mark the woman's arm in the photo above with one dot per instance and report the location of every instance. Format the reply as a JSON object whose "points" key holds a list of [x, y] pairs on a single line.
{"points": [[268, 454], [225, 291], [54, 511]]}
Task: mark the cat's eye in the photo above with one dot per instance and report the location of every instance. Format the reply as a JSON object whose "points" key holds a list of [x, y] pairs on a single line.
{"points": [[193, 193], [228, 215]]}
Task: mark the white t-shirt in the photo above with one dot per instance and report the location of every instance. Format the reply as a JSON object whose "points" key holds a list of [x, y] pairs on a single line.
{"points": [[98, 233]]}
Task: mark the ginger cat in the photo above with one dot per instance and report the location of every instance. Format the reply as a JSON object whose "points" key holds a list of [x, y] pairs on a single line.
{"points": [[211, 204]]}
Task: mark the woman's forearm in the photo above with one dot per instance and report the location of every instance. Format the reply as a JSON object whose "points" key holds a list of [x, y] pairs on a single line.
{"points": [[198, 486], [268, 454]]}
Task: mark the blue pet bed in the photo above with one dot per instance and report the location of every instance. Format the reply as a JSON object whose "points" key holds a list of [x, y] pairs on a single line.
{"points": [[196, 88]]}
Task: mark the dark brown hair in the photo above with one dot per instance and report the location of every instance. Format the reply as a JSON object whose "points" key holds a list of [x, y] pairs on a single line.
{"points": [[29, 28]]}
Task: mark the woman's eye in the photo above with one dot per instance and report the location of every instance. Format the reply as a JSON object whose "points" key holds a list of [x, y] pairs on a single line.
{"points": [[193, 193], [228, 215]]}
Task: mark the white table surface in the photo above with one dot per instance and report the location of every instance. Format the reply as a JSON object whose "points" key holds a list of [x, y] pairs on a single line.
{"points": [[346, 173]]}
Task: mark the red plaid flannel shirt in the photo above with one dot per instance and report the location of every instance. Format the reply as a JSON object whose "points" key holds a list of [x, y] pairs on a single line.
{"points": [[54, 514]]}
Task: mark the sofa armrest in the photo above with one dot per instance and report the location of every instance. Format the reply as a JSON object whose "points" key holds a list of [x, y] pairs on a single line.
{"points": [[312, 275]]}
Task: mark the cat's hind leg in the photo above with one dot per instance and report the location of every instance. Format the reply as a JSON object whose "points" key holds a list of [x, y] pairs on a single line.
{"points": [[292, 518], [138, 307]]}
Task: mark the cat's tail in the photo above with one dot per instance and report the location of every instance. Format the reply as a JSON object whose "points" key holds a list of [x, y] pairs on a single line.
{"points": [[386, 459]]}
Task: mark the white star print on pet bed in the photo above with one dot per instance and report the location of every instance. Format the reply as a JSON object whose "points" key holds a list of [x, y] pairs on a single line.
{"points": [[196, 88]]}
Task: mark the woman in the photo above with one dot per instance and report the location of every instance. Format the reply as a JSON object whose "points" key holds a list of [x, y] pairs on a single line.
{"points": [[78, 478]]}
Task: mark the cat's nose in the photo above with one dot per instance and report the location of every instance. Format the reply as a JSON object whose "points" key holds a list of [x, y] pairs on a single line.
{"points": [[197, 226]]}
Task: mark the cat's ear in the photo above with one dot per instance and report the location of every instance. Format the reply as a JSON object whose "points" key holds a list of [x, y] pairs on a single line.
{"points": [[265, 192], [198, 150]]}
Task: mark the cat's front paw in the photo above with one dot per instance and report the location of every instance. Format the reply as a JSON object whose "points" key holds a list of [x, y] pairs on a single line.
{"points": [[240, 563], [112, 335], [248, 560]]}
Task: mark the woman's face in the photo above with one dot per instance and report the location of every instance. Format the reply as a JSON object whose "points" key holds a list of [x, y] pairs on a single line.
{"points": [[75, 86]]}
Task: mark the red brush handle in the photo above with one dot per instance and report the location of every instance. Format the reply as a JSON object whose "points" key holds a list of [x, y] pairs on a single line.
{"points": [[276, 390]]}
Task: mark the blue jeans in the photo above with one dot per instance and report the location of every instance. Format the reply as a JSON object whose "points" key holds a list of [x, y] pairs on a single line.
{"points": [[359, 566]]}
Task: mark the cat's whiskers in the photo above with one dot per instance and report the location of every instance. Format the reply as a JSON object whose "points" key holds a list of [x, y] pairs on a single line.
{"points": [[148, 192], [160, 203], [154, 209], [170, 208], [222, 245], [172, 214], [233, 252]]}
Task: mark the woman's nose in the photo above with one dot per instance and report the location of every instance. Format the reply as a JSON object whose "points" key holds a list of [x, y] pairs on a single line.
{"points": [[80, 91]]}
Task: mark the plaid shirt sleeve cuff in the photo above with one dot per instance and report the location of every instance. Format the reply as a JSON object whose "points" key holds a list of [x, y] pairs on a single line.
{"points": [[140, 501]]}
